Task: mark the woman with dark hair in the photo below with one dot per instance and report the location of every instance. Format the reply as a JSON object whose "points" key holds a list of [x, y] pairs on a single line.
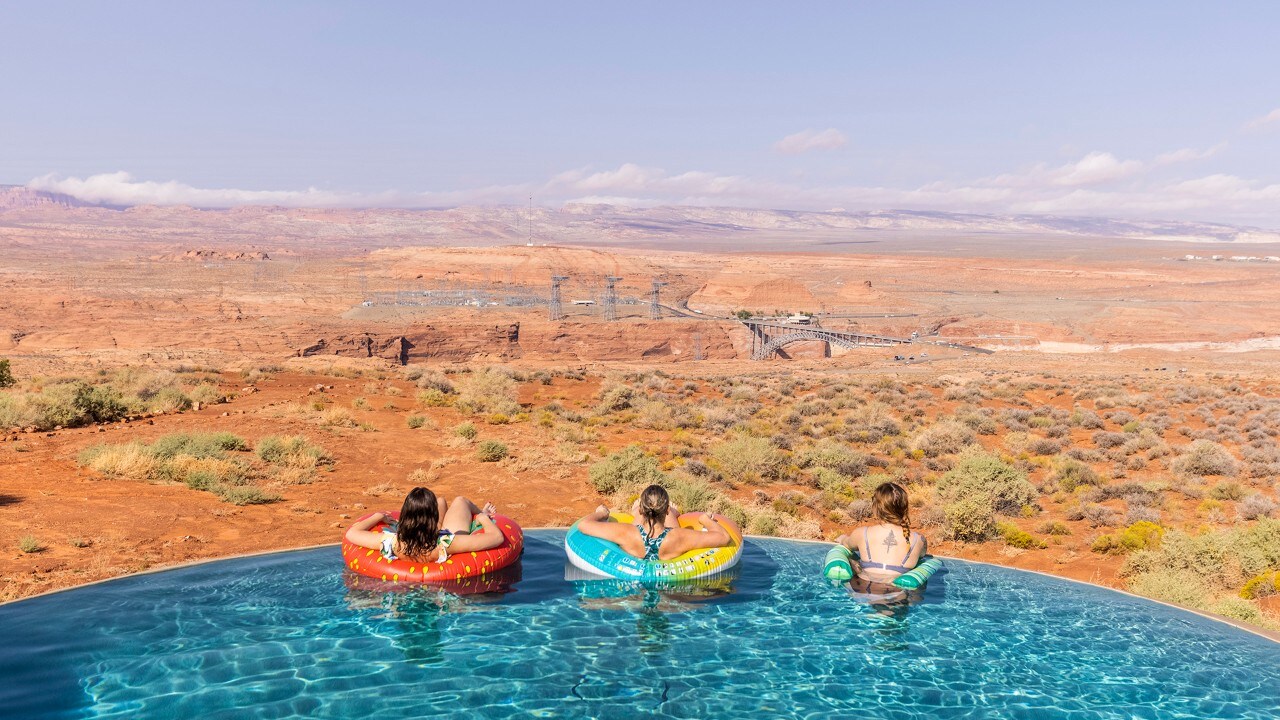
{"points": [[888, 548], [429, 529], [657, 535]]}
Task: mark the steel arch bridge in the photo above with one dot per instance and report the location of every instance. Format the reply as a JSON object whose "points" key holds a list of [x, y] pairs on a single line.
{"points": [[768, 337]]}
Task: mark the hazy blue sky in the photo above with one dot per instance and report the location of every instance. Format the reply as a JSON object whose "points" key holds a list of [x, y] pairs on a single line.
{"points": [[1159, 109]]}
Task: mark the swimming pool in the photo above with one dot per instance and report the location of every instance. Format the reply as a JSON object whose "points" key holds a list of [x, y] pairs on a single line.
{"points": [[291, 634]]}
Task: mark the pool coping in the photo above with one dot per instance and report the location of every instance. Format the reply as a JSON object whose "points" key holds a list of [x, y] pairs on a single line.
{"points": [[1271, 635]]}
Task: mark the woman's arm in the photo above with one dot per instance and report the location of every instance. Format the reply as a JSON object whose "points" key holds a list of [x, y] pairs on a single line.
{"points": [[361, 532], [491, 538], [715, 535], [597, 524], [913, 558]]}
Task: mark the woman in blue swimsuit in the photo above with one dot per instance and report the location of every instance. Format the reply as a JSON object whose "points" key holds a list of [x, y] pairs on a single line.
{"points": [[657, 535]]}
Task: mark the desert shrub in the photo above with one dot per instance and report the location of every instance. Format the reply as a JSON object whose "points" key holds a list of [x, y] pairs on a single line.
{"points": [[691, 494], [833, 456], [432, 397], [29, 543], [1239, 609], [130, 460], [201, 479], [415, 421], [1256, 506], [206, 394], [872, 422], [1072, 473], [63, 404], [1138, 536], [614, 397], [487, 391], [970, 519], [1142, 514], [764, 522], [1225, 557], [1054, 527], [696, 468], [1204, 457], [291, 451], [1044, 446], [985, 477], [6, 374], [196, 445], [466, 431], [1084, 455], [1106, 440], [1016, 441], [655, 415], [245, 495], [1095, 515], [199, 460], [630, 468], [1059, 431], [725, 506], [1180, 587], [746, 458], [431, 380], [1018, 538], [943, 438], [1226, 491], [858, 510], [1261, 585], [491, 451], [1015, 418], [833, 483], [1086, 419], [337, 417]]}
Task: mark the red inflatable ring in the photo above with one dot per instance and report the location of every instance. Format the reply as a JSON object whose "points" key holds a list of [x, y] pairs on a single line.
{"points": [[461, 565]]}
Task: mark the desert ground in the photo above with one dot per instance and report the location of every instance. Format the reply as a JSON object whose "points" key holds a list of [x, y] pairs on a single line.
{"points": [[1122, 432]]}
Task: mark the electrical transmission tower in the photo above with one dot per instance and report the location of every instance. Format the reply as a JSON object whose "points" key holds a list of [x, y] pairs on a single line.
{"points": [[611, 298], [697, 346], [655, 310], [557, 313]]}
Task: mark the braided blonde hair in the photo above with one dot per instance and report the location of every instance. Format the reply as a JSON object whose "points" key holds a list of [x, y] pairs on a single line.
{"points": [[890, 504]]}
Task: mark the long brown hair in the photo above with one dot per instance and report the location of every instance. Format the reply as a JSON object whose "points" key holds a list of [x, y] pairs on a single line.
{"points": [[889, 503], [418, 532], [654, 503]]}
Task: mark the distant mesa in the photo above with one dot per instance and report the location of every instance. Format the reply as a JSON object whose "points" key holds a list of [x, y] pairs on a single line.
{"points": [[17, 197], [646, 227], [215, 255]]}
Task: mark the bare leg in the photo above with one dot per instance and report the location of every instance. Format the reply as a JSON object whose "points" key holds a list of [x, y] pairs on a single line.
{"points": [[458, 517]]}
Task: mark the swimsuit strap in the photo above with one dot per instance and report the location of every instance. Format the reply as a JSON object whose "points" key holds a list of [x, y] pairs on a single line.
{"points": [[651, 545]]}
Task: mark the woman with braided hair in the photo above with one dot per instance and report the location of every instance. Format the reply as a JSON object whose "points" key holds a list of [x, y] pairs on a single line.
{"points": [[888, 548], [657, 534]]}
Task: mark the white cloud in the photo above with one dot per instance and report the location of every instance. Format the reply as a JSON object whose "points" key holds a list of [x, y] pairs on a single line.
{"points": [[1273, 116], [1188, 155], [1094, 169], [120, 188], [807, 140], [1099, 183]]}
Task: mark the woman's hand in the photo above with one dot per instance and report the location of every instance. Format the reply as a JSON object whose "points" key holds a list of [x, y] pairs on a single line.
{"points": [[489, 509]]}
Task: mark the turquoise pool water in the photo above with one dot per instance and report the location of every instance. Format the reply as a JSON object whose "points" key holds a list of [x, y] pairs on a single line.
{"points": [[291, 634]]}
